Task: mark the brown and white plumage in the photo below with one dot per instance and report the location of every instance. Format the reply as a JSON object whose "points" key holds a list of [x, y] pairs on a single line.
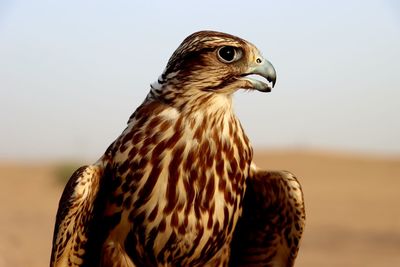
{"points": [[269, 231], [169, 191]]}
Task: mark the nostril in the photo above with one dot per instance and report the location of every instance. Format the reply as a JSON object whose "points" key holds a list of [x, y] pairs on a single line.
{"points": [[258, 60]]}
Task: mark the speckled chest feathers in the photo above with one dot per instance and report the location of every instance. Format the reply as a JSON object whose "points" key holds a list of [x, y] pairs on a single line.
{"points": [[178, 197]]}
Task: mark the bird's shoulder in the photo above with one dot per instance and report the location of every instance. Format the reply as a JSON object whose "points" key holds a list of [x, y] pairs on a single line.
{"points": [[273, 219], [74, 214]]}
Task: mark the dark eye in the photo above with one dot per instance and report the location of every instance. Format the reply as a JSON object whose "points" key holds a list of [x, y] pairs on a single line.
{"points": [[228, 54]]}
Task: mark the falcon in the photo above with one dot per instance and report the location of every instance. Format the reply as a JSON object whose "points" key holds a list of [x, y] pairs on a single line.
{"points": [[179, 186]]}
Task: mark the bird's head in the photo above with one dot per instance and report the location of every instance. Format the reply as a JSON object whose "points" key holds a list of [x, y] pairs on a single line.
{"points": [[215, 62]]}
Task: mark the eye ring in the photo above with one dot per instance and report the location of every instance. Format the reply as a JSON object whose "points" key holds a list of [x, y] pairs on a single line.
{"points": [[229, 54]]}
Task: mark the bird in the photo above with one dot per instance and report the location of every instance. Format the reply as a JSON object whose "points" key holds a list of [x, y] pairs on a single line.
{"points": [[179, 186]]}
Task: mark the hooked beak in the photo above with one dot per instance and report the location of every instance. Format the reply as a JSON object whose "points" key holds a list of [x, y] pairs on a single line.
{"points": [[265, 69]]}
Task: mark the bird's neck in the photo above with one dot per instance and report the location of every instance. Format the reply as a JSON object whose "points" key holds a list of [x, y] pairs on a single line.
{"points": [[189, 100]]}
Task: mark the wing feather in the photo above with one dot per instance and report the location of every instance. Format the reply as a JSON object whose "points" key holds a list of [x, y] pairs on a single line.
{"points": [[271, 226], [74, 214]]}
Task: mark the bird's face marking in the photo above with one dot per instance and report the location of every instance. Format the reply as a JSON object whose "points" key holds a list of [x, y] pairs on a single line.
{"points": [[218, 62]]}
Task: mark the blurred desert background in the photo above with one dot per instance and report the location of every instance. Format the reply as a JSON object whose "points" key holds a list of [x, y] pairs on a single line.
{"points": [[72, 72]]}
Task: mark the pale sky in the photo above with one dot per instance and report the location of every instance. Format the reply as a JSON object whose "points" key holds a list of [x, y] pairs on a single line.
{"points": [[72, 72]]}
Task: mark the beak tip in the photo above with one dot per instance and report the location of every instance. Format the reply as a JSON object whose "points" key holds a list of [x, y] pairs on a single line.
{"points": [[272, 80], [270, 73]]}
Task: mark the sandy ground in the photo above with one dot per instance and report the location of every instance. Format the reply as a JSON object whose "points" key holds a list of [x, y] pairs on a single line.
{"points": [[352, 204]]}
